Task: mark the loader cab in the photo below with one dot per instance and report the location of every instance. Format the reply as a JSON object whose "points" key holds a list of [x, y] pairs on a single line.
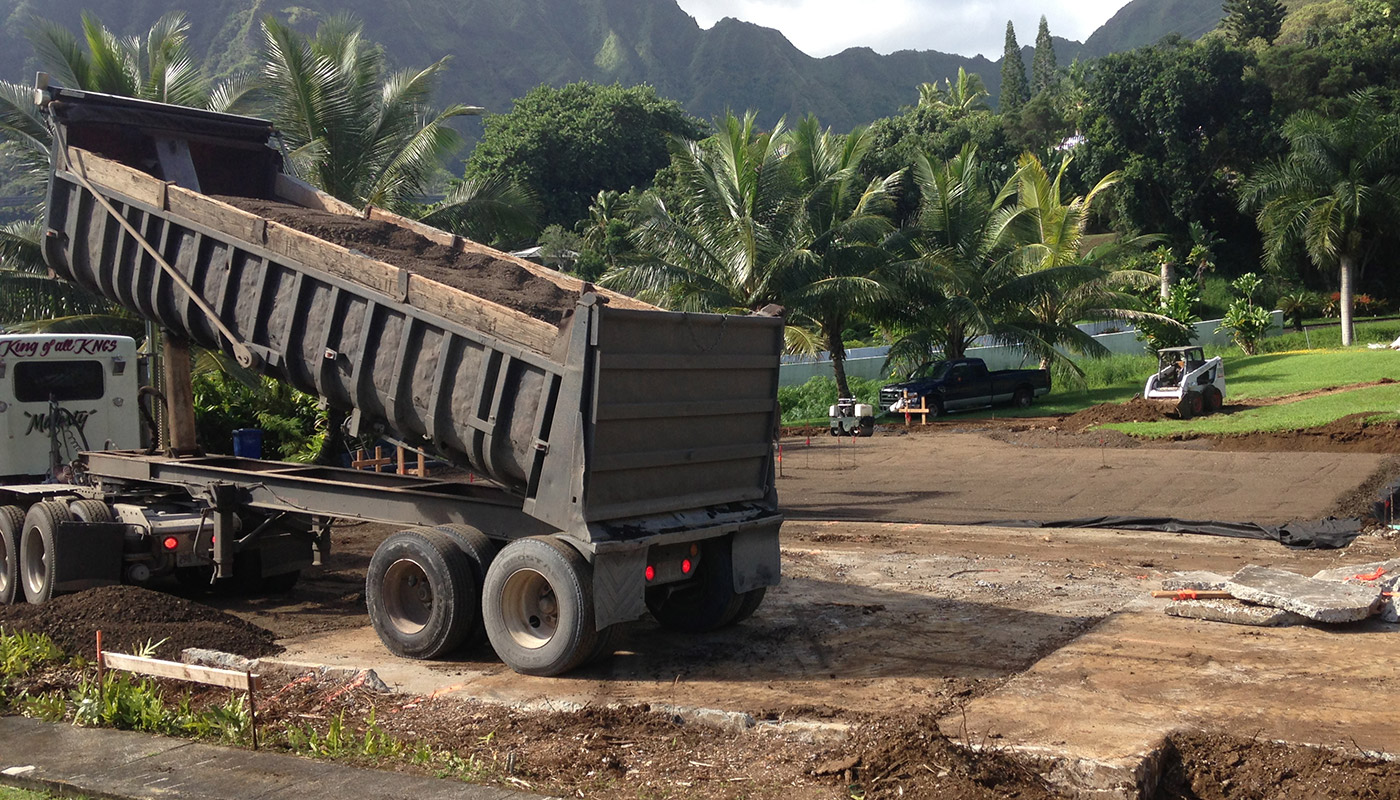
{"points": [[1174, 362], [61, 394]]}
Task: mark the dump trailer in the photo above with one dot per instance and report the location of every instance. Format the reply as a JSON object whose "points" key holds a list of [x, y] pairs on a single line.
{"points": [[628, 450]]}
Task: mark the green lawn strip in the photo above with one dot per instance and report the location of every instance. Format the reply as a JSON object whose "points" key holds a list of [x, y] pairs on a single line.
{"points": [[1383, 401], [1278, 374]]}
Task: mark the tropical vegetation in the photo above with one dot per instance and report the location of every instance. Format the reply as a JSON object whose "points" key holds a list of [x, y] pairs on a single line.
{"points": [[1139, 187]]}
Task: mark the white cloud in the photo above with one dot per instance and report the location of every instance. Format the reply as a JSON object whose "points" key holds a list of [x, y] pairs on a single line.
{"points": [[823, 27]]}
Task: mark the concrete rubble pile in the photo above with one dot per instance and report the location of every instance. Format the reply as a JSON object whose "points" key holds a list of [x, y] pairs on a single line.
{"points": [[1270, 597]]}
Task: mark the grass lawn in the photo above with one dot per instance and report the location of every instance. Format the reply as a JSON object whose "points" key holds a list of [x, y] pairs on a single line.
{"points": [[1309, 413], [1288, 366]]}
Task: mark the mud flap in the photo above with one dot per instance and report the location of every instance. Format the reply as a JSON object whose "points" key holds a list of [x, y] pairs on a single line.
{"points": [[87, 554], [619, 586], [756, 558]]}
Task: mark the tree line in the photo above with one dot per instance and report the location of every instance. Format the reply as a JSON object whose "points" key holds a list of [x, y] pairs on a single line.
{"points": [[1090, 191]]}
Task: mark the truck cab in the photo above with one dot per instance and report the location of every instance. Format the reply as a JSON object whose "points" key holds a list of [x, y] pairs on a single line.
{"points": [[61, 394]]}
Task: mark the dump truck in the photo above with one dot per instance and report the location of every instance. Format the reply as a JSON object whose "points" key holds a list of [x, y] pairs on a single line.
{"points": [[626, 452]]}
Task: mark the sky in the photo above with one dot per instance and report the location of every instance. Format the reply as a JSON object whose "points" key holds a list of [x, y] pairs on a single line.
{"points": [[966, 27]]}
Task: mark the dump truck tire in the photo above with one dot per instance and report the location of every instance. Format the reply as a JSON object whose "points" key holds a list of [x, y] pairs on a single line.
{"points": [[704, 603], [538, 606], [480, 551], [90, 511], [420, 592], [39, 555], [748, 603], [11, 526]]}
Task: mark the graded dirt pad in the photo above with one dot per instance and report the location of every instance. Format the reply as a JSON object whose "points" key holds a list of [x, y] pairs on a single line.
{"points": [[496, 279], [130, 617], [950, 472]]}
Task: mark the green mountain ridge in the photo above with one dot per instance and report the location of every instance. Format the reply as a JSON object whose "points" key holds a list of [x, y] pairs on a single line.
{"points": [[500, 49]]}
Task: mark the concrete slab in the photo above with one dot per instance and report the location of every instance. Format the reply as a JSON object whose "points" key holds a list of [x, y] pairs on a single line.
{"points": [[1234, 612], [1198, 580], [1097, 710], [1382, 574], [108, 763], [1321, 601]]}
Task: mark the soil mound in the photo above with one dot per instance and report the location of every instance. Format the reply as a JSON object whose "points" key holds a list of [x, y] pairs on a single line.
{"points": [[496, 279], [130, 616], [1134, 410]]}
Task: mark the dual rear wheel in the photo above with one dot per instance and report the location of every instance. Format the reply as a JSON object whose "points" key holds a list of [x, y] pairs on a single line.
{"points": [[435, 590]]}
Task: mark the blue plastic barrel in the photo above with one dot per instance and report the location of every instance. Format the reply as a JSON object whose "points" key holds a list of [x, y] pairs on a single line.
{"points": [[247, 443]]}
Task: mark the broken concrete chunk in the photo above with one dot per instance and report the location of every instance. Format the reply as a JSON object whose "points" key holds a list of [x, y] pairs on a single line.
{"points": [[1235, 612], [1322, 601], [1383, 574], [1390, 610], [1194, 581]]}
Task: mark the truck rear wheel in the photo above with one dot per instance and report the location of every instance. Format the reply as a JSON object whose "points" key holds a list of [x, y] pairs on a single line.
{"points": [[419, 590], [11, 526], [705, 602], [480, 551], [538, 607], [90, 511], [38, 549], [748, 603], [1022, 398]]}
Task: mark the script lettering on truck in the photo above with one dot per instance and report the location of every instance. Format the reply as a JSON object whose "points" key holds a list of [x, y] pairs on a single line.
{"points": [[63, 420], [75, 346]]}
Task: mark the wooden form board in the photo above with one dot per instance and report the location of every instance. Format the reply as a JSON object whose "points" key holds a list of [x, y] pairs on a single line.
{"points": [[308, 251], [211, 676]]}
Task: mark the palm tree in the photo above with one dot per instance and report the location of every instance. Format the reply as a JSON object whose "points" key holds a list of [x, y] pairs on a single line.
{"points": [[355, 130], [841, 269], [1335, 191], [730, 243], [954, 286], [769, 218], [959, 98], [156, 66], [1061, 284]]}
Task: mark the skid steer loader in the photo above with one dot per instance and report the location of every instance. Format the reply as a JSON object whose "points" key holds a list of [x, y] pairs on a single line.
{"points": [[1187, 381]]}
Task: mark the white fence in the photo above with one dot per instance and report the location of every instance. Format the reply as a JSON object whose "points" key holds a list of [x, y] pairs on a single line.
{"points": [[868, 362]]}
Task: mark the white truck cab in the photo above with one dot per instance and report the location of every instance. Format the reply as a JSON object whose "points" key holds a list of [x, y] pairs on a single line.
{"points": [[61, 394]]}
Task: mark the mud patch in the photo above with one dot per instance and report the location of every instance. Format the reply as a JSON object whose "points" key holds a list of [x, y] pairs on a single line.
{"points": [[498, 280], [1219, 767], [130, 616]]}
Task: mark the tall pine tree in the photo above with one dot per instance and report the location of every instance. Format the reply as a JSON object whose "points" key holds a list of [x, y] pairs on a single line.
{"points": [[1013, 74], [1043, 65], [1253, 19]]}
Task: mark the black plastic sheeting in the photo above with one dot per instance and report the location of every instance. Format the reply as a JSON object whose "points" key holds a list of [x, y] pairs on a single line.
{"points": [[1386, 501], [1323, 534]]}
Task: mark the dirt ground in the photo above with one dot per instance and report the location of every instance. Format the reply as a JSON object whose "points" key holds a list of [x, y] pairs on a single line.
{"points": [[886, 621], [500, 281]]}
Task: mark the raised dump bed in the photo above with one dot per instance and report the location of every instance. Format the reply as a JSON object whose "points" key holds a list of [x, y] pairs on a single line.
{"points": [[621, 425]]}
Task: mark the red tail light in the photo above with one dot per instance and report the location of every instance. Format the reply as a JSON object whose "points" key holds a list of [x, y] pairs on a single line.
{"points": [[685, 566], [651, 573], [171, 543]]}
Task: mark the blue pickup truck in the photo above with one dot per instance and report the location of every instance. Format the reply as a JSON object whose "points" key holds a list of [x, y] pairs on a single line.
{"points": [[965, 383]]}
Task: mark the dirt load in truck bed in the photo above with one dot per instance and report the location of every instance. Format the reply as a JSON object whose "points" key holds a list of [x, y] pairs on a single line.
{"points": [[498, 280]]}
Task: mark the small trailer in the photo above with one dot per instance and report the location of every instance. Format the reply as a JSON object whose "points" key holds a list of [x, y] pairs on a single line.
{"points": [[628, 450]]}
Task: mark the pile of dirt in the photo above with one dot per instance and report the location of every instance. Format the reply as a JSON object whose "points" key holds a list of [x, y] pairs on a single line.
{"points": [[130, 616], [1134, 410], [1218, 767], [498, 280], [1352, 433]]}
